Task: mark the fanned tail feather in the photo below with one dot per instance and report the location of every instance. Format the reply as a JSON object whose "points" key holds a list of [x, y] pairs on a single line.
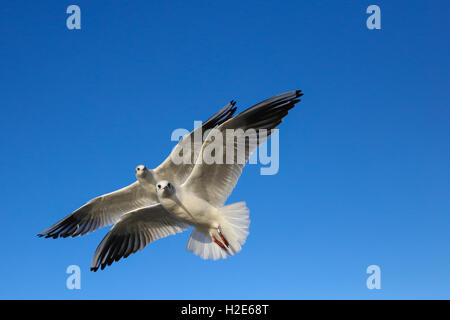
{"points": [[234, 228]]}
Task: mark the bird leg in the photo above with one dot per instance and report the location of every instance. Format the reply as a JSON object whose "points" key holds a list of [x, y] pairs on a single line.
{"points": [[220, 244], [223, 238]]}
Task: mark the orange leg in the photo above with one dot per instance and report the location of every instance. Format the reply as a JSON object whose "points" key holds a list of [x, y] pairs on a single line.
{"points": [[223, 238], [220, 244]]}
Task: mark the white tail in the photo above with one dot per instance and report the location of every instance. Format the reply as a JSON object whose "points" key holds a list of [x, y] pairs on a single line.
{"points": [[234, 228]]}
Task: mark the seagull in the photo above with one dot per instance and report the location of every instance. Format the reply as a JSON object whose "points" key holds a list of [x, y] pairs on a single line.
{"points": [[220, 230], [107, 209]]}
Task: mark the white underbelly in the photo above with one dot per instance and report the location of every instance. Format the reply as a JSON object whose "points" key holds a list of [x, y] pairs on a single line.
{"points": [[195, 211]]}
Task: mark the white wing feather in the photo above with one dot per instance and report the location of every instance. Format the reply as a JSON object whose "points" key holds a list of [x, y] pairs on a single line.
{"points": [[102, 211], [215, 182], [133, 232], [176, 172]]}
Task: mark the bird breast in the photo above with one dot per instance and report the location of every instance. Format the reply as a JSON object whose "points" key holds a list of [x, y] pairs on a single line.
{"points": [[191, 209]]}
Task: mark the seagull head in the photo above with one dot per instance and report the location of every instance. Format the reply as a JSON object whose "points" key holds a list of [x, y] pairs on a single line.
{"points": [[164, 188], [141, 171]]}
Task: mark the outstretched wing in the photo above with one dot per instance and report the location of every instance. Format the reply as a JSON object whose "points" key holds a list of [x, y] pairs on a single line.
{"points": [[133, 232], [101, 211], [107, 209], [176, 171], [214, 182]]}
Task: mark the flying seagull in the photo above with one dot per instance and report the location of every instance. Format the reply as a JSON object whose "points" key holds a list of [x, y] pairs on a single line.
{"points": [[219, 230], [108, 208]]}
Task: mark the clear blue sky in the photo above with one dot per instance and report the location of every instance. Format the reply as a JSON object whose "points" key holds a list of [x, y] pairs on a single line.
{"points": [[364, 158]]}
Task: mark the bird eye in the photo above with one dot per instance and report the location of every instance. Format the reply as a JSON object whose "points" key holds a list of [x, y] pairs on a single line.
{"points": [[159, 186]]}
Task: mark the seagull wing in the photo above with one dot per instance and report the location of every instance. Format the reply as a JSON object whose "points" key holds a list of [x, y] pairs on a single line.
{"points": [[215, 182], [177, 172], [101, 211], [133, 232], [107, 209]]}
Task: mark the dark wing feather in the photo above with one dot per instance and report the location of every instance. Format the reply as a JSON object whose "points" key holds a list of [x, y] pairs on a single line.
{"points": [[133, 232]]}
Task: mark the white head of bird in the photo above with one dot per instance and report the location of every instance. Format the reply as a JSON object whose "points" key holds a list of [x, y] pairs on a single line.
{"points": [[165, 189], [141, 171]]}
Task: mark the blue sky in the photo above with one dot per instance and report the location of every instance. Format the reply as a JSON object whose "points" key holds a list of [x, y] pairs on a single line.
{"points": [[364, 159]]}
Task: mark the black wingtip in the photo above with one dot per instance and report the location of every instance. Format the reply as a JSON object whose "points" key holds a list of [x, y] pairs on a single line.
{"points": [[46, 235]]}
